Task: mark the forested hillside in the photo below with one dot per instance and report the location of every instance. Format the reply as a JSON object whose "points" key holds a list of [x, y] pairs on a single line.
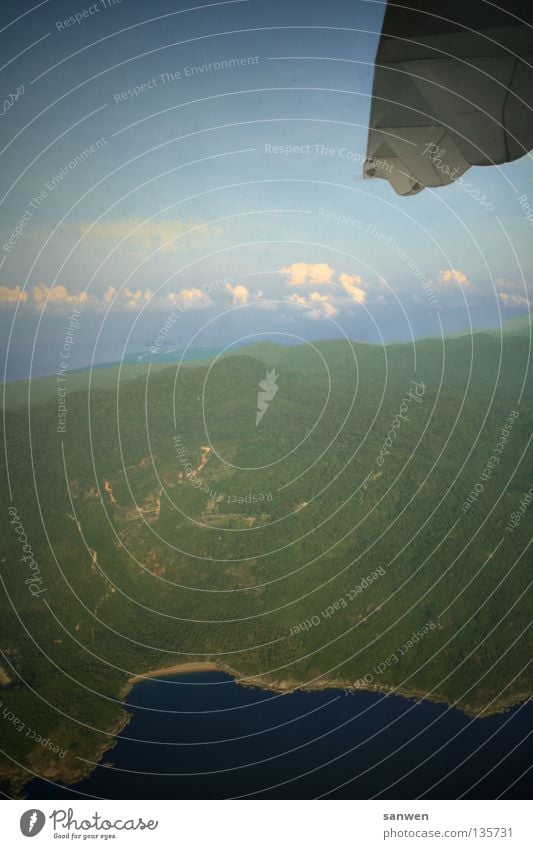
{"points": [[156, 523]]}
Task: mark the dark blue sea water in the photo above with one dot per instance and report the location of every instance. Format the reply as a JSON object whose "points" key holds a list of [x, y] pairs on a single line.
{"points": [[203, 736]]}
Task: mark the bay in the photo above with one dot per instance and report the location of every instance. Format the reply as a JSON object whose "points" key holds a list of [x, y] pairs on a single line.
{"points": [[202, 735]]}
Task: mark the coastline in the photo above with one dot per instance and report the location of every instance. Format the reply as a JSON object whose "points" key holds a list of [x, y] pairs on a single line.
{"points": [[75, 773], [473, 711], [175, 670]]}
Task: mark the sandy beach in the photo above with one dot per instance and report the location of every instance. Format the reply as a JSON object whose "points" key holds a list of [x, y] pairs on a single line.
{"points": [[501, 705], [178, 669]]}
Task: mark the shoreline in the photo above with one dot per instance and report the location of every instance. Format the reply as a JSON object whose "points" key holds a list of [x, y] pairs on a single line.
{"points": [[176, 669], [286, 686], [472, 711], [73, 774]]}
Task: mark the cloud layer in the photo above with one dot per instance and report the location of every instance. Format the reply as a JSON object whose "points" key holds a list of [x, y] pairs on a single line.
{"points": [[343, 290]]}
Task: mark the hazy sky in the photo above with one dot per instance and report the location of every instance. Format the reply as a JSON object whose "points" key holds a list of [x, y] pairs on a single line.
{"points": [[203, 164]]}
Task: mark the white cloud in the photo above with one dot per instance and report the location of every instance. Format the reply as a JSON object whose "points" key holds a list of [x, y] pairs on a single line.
{"points": [[57, 295], [41, 295], [137, 299], [194, 298], [308, 274], [351, 283], [240, 294], [124, 298], [513, 300], [318, 305], [12, 294], [324, 302], [320, 274], [453, 275], [140, 235]]}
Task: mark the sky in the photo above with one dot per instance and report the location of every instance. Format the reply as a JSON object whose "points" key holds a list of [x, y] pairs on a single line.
{"points": [[190, 175]]}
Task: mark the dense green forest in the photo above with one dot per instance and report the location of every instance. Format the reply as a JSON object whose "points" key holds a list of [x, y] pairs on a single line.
{"points": [[157, 523]]}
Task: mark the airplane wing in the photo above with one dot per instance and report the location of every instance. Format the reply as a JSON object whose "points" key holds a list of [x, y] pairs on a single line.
{"points": [[453, 87]]}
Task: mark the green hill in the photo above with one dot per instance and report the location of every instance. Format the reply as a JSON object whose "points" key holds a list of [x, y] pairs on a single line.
{"points": [[519, 326], [303, 551]]}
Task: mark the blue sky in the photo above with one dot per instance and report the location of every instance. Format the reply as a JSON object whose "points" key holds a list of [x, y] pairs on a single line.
{"points": [[229, 196]]}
